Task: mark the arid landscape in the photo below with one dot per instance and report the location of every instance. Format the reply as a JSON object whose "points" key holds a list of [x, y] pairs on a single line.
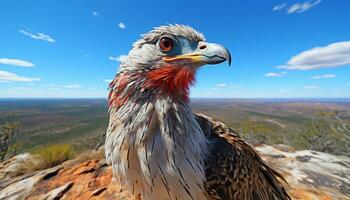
{"points": [[268, 83], [319, 124], [59, 155]]}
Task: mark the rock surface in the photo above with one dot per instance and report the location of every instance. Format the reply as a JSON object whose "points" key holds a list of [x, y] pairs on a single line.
{"points": [[11, 167], [311, 176]]}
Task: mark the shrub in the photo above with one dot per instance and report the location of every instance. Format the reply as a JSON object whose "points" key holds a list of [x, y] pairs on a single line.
{"points": [[9, 139], [327, 131], [50, 156], [324, 134], [256, 132]]}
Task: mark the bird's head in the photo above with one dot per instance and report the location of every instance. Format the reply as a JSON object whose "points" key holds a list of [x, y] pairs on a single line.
{"points": [[165, 61]]}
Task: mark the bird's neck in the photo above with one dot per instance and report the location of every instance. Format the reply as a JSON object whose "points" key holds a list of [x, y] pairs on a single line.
{"points": [[160, 82], [156, 136], [173, 80]]}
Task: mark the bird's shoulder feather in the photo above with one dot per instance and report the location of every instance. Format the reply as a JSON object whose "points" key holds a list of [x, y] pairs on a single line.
{"points": [[234, 169]]}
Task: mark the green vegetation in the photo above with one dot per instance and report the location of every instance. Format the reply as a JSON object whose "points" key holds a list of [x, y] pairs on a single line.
{"points": [[80, 123], [258, 132], [328, 133], [9, 138], [77, 122], [320, 126], [50, 156]]}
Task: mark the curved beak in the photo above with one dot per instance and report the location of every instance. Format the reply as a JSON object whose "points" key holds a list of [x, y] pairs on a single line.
{"points": [[206, 53]]}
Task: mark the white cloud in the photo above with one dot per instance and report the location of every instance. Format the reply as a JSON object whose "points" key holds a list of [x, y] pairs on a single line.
{"points": [[66, 86], [302, 7], [117, 58], [38, 36], [71, 86], [332, 55], [324, 76], [6, 76], [311, 87], [108, 80], [121, 25], [221, 85], [283, 90], [279, 6], [42, 92], [297, 7], [21, 88], [16, 62], [226, 87], [232, 86], [94, 13], [50, 85], [275, 74]]}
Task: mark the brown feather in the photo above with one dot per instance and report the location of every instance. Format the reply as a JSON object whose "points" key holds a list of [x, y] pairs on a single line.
{"points": [[234, 170]]}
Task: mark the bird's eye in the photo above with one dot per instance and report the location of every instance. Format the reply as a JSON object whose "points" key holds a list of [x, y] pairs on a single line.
{"points": [[166, 44]]}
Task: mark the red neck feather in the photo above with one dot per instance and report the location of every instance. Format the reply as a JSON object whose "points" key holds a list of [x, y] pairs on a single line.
{"points": [[173, 80]]}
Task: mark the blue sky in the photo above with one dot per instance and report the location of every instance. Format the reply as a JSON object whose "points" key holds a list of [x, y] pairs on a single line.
{"points": [[280, 48]]}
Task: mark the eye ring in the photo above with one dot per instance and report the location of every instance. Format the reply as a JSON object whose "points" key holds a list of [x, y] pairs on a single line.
{"points": [[166, 44]]}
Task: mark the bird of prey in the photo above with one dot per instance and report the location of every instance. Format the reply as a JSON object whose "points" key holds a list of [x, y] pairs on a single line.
{"points": [[159, 149]]}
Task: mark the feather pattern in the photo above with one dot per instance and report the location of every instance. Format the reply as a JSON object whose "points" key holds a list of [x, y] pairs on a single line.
{"points": [[160, 150], [234, 170], [153, 141]]}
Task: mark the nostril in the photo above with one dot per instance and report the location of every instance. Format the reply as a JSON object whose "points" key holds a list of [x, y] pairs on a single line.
{"points": [[203, 46]]}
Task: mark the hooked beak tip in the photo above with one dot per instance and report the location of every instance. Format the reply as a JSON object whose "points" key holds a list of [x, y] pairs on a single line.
{"points": [[228, 57]]}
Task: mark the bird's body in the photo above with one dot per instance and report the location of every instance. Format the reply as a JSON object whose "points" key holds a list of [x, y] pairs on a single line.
{"points": [[154, 163], [157, 147]]}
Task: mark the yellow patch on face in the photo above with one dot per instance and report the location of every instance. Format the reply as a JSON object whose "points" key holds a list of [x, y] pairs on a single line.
{"points": [[193, 58]]}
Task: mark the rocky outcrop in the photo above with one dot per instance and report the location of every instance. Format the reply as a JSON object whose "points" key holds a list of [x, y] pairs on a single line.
{"points": [[311, 176], [76, 179], [20, 187], [13, 166]]}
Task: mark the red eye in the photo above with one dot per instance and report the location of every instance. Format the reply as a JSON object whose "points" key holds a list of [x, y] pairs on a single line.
{"points": [[166, 44]]}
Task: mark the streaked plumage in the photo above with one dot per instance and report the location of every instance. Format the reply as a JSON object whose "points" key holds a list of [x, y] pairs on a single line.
{"points": [[234, 170], [157, 147]]}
